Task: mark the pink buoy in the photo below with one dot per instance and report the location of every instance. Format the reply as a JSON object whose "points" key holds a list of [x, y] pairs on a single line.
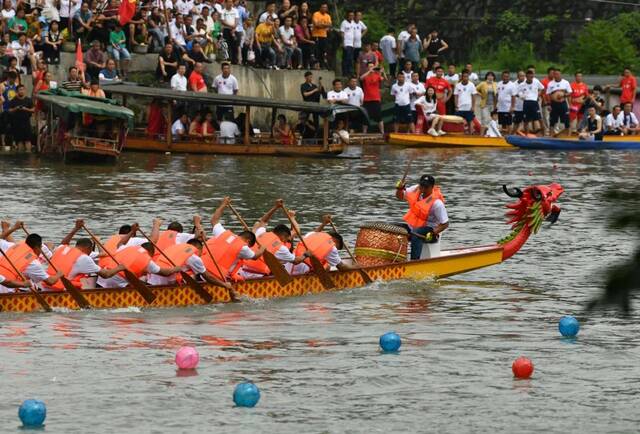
{"points": [[187, 358]]}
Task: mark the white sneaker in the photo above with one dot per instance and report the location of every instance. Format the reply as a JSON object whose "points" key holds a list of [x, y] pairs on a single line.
{"points": [[442, 133], [432, 132]]}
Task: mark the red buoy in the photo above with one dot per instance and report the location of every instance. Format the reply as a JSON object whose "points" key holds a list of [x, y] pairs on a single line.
{"points": [[522, 368]]}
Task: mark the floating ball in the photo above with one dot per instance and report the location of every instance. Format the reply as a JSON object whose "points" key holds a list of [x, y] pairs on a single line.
{"points": [[246, 395], [32, 412], [390, 342], [568, 326], [187, 358], [522, 367]]}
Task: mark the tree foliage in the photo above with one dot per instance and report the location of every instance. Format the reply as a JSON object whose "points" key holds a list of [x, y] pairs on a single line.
{"points": [[600, 48]]}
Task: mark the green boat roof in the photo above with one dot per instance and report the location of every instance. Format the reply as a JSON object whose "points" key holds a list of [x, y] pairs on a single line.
{"points": [[76, 102]]}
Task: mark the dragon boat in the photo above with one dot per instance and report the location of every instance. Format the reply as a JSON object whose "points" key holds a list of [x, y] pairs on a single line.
{"points": [[380, 250]]}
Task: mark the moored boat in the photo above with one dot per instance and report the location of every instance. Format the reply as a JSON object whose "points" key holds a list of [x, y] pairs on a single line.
{"points": [[535, 204], [558, 144], [449, 140]]}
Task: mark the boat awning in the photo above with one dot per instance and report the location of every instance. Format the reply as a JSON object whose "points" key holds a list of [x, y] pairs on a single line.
{"points": [[74, 102], [323, 110]]}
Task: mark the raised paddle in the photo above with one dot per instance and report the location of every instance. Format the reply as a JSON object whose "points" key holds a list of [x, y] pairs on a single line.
{"points": [[197, 288], [364, 274], [400, 183], [71, 289], [43, 303], [222, 276], [317, 266], [276, 267], [138, 284]]}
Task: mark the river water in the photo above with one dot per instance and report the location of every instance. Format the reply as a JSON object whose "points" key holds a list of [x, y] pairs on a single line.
{"points": [[316, 358]]}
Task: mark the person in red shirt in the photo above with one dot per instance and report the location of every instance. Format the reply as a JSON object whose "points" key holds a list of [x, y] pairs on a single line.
{"points": [[375, 47], [196, 80], [372, 101], [579, 92], [546, 102], [443, 90], [629, 86]]}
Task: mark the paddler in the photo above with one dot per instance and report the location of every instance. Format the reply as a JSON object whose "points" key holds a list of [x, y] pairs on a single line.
{"points": [[322, 245], [277, 241], [6, 240], [227, 248], [24, 256], [427, 216], [173, 235], [78, 263], [138, 260], [126, 238]]}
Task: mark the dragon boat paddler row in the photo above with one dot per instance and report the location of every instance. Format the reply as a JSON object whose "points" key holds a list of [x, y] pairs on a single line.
{"points": [[171, 268]]}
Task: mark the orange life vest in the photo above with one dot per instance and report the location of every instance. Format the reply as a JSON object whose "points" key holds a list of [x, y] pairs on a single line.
{"points": [[419, 209], [111, 245], [225, 249], [179, 254], [272, 244], [21, 255], [165, 240], [135, 259], [320, 244], [64, 258]]}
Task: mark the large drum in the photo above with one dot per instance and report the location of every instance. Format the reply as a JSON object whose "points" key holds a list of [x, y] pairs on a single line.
{"points": [[380, 244]]}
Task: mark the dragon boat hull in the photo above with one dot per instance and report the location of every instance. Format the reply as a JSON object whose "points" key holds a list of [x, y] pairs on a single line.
{"points": [[448, 264]]}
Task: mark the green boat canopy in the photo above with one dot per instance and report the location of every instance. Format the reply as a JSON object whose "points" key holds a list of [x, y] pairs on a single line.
{"points": [[323, 110], [63, 102]]}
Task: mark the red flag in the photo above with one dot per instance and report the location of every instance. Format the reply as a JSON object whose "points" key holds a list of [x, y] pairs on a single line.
{"points": [[79, 56], [126, 11]]}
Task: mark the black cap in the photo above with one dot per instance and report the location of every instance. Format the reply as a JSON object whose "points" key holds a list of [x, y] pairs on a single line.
{"points": [[427, 181]]}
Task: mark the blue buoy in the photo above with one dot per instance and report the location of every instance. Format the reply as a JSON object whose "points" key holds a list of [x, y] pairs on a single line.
{"points": [[246, 395], [390, 342], [32, 412], [568, 326]]}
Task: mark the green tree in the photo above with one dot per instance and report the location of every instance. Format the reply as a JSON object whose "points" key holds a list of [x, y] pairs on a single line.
{"points": [[600, 48], [377, 25]]}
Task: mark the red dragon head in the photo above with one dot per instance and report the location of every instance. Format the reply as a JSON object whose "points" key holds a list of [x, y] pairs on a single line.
{"points": [[535, 205]]}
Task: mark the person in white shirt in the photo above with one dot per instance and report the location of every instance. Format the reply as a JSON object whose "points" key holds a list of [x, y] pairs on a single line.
{"points": [[417, 90], [389, 48], [359, 30], [473, 77], [506, 97], [530, 92], [518, 115], [614, 122], [401, 91], [228, 130], [630, 124], [179, 128], [270, 11], [179, 81], [402, 38], [337, 95], [465, 94], [229, 18], [293, 54], [184, 7], [559, 91], [429, 104], [225, 84], [432, 71], [355, 96], [347, 30], [493, 130]]}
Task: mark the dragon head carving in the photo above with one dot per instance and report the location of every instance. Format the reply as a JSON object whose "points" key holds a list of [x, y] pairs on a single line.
{"points": [[535, 204]]}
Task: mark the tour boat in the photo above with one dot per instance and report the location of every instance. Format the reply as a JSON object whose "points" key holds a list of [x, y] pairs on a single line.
{"points": [[380, 250]]}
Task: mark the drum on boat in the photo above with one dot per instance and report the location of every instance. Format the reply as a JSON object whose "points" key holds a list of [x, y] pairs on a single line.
{"points": [[380, 244]]}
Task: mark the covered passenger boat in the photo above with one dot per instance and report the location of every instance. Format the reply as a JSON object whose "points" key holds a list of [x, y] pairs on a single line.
{"points": [[82, 128], [381, 250], [162, 106]]}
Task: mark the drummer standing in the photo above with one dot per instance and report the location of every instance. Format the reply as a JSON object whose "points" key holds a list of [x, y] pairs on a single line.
{"points": [[427, 216]]}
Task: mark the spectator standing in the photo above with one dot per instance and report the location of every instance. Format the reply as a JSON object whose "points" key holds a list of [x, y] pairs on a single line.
{"points": [[401, 91], [196, 79], [243, 15], [269, 12], [225, 84], [372, 81], [411, 49], [168, 61], [579, 93], [337, 95], [402, 38], [355, 97], [229, 19], [367, 56], [287, 10], [359, 31], [95, 60], [417, 90], [443, 90], [265, 41], [434, 47], [506, 97], [473, 77], [389, 48], [68, 8], [453, 78], [293, 54], [559, 91], [20, 111], [407, 70], [321, 25], [465, 100], [375, 47], [305, 42], [347, 30], [545, 100], [530, 93], [312, 93], [628, 85], [518, 114], [248, 42], [179, 80], [488, 91]]}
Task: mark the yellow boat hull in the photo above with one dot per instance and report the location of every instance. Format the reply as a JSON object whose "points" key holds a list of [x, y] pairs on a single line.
{"points": [[447, 141], [448, 264]]}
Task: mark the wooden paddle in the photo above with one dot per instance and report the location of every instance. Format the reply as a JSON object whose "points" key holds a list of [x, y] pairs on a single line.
{"points": [[276, 267], [222, 276], [406, 173], [71, 289], [364, 274], [137, 284], [317, 266], [43, 303], [197, 288]]}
